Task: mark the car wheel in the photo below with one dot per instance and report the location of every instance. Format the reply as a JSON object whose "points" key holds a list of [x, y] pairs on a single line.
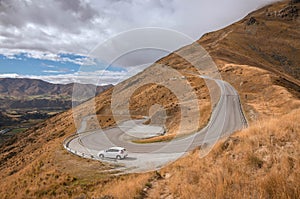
{"points": [[101, 156], [118, 157]]}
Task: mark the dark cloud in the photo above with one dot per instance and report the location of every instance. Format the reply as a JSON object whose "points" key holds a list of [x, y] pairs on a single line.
{"points": [[77, 26], [81, 9]]}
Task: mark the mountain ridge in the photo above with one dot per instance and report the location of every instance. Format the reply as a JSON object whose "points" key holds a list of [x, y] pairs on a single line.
{"points": [[19, 87], [24, 101], [262, 160]]}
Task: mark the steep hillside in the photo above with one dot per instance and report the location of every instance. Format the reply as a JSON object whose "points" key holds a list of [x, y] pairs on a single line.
{"points": [[259, 162], [257, 55], [260, 56]]}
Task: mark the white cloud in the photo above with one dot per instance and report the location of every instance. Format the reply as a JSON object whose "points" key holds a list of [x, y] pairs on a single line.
{"points": [[48, 28], [49, 65], [51, 71], [100, 77], [9, 75], [76, 26], [82, 60]]}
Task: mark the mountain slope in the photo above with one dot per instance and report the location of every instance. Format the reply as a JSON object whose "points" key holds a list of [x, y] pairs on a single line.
{"points": [[34, 164], [259, 57], [259, 162]]}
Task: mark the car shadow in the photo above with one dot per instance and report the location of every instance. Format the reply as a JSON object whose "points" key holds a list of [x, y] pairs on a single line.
{"points": [[130, 158], [115, 160]]}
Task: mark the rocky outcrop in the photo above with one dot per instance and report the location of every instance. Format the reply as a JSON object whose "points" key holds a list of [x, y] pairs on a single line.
{"points": [[251, 21], [289, 12], [295, 1]]}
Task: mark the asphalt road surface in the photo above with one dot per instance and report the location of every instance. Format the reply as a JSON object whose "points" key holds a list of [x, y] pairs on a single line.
{"points": [[227, 117]]}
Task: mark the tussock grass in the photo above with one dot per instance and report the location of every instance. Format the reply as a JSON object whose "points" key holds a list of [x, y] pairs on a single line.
{"points": [[259, 162], [124, 186]]}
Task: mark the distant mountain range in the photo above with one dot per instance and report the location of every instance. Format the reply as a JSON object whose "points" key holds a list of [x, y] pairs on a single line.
{"points": [[258, 55], [24, 102], [22, 87]]}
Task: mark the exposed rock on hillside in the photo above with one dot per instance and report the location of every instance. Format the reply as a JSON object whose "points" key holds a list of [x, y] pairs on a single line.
{"points": [[261, 61]]}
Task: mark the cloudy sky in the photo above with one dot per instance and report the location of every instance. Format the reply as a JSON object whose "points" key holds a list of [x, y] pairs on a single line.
{"points": [[52, 39]]}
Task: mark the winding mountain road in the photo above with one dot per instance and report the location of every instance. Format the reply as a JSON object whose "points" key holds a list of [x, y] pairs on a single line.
{"points": [[227, 117]]}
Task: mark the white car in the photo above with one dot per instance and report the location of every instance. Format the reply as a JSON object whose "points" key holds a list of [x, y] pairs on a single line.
{"points": [[113, 152]]}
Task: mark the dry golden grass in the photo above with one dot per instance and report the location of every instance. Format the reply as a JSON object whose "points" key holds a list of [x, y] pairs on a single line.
{"points": [[149, 95], [205, 111], [259, 162], [35, 165], [130, 186], [49, 171], [261, 91]]}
